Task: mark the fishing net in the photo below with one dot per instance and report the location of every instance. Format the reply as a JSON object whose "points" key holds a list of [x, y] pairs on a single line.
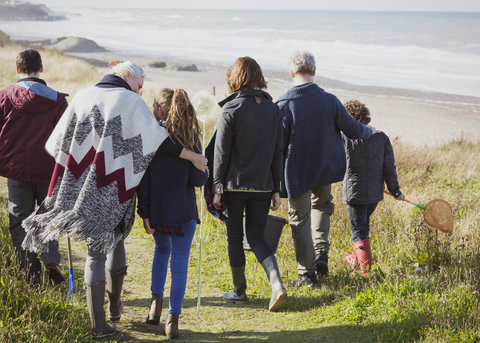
{"points": [[438, 214]]}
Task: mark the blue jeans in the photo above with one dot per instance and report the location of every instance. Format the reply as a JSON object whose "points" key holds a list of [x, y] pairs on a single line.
{"points": [[256, 206], [179, 249], [359, 215]]}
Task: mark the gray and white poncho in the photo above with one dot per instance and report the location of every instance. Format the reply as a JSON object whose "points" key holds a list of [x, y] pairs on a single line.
{"points": [[102, 146]]}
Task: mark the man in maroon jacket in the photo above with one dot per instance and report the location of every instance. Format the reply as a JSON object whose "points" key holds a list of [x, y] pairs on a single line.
{"points": [[29, 110]]}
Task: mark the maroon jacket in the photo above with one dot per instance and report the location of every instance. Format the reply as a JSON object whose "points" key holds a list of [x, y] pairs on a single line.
{"points": [[26, 121]]}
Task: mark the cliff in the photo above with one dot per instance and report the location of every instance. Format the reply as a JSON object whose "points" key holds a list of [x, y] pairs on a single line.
{"points": [[27, 12], [4, 38]]}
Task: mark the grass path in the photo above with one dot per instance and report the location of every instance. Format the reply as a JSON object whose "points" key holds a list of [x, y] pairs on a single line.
{"points": [[218, 321], [395, 304]]}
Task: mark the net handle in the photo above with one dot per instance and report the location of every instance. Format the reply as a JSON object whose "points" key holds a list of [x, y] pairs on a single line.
{"points": [[420, 206]]}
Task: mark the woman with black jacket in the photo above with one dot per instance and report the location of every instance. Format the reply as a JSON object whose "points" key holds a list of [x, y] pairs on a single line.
{"points": [[248, 169]]}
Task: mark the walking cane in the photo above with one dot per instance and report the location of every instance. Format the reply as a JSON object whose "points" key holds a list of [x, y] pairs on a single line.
{"points": [[205, 105], [70, 269]]}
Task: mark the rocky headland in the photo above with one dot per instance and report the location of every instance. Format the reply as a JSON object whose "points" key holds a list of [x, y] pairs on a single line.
{"points": [[27, 12]]}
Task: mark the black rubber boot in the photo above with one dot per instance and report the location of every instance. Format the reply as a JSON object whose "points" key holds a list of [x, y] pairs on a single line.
{"points": [[114, 291], [321, 263], [279, 293], [95, 299], [239, 286]]}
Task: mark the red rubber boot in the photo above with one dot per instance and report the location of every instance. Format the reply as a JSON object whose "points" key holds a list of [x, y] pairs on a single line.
{"points": [[363, 254]]}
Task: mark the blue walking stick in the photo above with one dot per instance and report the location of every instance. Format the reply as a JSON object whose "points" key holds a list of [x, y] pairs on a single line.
{"points": [[70, 269]]}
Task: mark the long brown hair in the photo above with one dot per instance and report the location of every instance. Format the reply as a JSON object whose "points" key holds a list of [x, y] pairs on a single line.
{"points": [[181, 123], [245, 73]]}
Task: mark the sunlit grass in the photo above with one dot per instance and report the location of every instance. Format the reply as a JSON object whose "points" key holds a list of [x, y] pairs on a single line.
{"points": [[63, 73], [398, 302]]}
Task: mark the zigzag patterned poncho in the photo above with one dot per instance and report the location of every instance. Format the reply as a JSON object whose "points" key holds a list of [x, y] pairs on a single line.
{"points": [[102, 146]]}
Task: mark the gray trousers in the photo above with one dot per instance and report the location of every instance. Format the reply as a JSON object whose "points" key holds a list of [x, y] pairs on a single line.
{"points": [[96, 262], [22, 198], [309, 217]]}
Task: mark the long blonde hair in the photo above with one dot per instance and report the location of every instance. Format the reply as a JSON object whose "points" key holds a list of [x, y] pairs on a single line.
{"points": [[181, 123]]}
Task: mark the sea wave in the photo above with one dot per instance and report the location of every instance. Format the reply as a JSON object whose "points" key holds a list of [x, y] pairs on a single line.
{"points": [[377, 55]]}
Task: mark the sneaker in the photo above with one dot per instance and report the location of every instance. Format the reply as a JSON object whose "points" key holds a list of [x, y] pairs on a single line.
{"points": [[309, 280], [55, 275]]}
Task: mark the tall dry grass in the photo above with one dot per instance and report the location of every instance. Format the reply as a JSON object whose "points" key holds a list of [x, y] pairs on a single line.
{"points": [[424, 285], [399, 302], [63, 73]]}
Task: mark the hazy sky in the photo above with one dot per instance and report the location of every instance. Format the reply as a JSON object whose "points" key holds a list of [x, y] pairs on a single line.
{"points": [[351, 5]]}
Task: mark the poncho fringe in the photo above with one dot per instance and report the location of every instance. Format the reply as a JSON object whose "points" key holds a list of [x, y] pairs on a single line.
{"points": [[52, 225]]}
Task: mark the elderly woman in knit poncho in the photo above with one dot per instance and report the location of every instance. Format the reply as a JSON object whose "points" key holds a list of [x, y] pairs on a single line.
{"points": [[102, 146]]}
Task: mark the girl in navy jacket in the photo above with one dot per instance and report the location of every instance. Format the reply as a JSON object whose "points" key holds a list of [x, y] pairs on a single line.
{"points": [[167, 204]]}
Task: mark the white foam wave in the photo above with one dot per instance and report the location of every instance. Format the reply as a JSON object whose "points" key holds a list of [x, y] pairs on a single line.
{"points": [[212, 38]]}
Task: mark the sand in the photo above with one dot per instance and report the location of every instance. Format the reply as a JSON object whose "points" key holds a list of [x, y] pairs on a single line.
{"points": [[414, 117]]}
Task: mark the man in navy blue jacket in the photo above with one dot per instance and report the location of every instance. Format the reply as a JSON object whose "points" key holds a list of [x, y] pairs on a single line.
{"points": [[314, 159]]}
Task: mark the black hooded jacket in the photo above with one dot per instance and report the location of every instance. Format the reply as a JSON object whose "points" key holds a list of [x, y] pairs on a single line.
{"points": [[248, 146], [370, 163]]}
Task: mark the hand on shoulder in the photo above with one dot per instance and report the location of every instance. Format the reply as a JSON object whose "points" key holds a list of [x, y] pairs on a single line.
{"points": [[374, 130]]}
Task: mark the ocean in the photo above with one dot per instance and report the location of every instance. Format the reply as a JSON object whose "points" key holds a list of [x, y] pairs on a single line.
{"points": [[433, 52]]}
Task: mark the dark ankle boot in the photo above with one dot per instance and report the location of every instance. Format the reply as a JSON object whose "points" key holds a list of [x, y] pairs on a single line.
{"points": [[155, 311], [321, 263], [239, 286], [34, 268], [171, 326], [54, 274], [21, 255], [362, 251], [279, 293], [95, 299], [114, 291]]}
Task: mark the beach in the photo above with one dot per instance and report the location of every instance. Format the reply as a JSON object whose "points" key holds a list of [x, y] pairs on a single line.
{"points": [[418, 73], [411, 116], [418, 94]]}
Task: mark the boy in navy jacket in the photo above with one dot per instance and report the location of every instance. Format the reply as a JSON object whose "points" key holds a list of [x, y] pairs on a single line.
{"points": [[370, 163]]}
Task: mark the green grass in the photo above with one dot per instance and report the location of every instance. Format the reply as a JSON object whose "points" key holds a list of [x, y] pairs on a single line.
{"points": [[394, 304], [40, 314]]}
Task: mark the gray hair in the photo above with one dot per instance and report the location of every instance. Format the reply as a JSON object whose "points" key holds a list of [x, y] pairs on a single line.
{"points": [[301, 62], [135, 70]]}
